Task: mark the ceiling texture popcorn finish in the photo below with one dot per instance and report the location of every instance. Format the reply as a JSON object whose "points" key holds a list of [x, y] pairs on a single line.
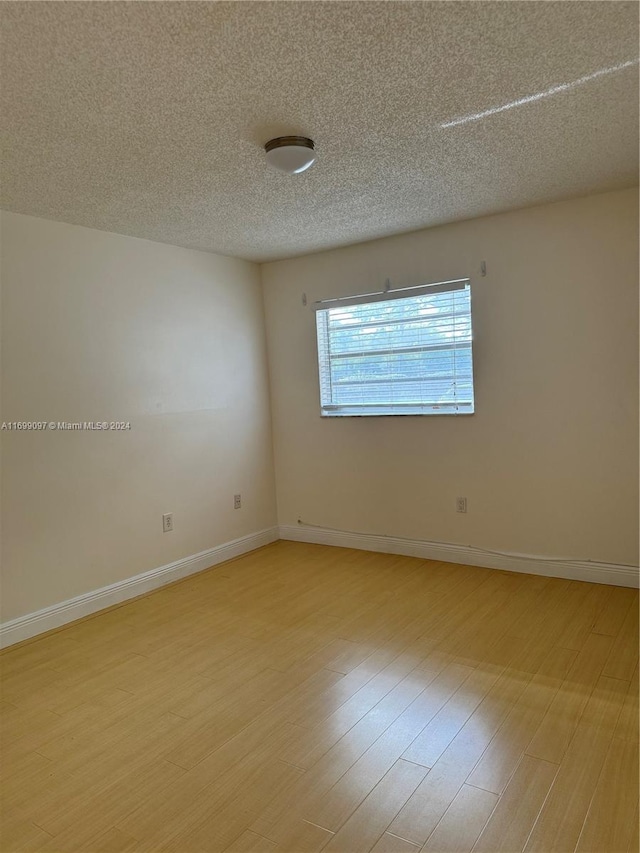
{"points": [[149, 119]]}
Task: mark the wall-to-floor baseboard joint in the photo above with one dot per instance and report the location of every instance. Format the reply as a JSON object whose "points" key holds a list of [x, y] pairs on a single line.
{"points": [[25, 627], [608, 573]]}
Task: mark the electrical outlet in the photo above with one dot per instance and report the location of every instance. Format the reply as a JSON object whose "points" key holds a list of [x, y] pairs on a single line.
{"points": [[167, 522], [461, 504], [237, 501]]}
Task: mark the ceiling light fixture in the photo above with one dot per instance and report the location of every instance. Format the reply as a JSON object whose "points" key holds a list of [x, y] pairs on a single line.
{"points": [[291, 154]]}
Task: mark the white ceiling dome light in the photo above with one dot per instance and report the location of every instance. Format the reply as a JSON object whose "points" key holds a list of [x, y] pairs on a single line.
{"points": [[291, 154]]}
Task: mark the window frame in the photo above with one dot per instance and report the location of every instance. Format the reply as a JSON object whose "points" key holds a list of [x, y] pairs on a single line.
{"points": [[331, 409]]}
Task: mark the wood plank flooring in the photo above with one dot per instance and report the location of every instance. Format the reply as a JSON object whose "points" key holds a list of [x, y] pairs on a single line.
{"points": [[306, 698]]}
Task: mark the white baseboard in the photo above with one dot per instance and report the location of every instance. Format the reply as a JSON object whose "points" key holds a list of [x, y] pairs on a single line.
{"points": [[33, 624], [75, 608], [609, 573]]}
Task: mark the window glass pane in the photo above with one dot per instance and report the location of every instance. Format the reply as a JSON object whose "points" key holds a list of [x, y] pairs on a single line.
{"points": [[401, 356]]}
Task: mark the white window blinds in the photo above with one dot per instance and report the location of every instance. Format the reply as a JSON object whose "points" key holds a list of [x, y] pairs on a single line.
{"points": [[397, 354]]}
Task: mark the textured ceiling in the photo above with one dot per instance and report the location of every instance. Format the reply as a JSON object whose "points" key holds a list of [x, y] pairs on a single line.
{"points": [[149, 118]]}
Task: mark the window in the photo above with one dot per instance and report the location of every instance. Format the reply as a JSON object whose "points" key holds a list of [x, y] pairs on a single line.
{"points": [[401, 352]]}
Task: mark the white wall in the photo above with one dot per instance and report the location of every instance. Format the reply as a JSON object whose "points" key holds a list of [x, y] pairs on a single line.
{"points": [[97, 326], [100, 327], [549, 462]]}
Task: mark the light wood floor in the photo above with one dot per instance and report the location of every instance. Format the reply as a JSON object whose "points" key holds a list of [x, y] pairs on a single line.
{"points": [[307, 698]]}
